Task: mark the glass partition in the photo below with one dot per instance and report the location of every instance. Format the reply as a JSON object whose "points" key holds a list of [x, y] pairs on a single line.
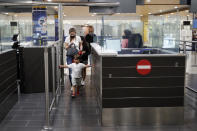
{"points": [[5, 32], [51, 28], [21, 24], [25, 30], [119, 32], [164, 32]]}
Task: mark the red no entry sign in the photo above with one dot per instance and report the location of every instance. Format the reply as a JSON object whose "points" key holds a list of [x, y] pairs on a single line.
{"points": [[144, 67]]}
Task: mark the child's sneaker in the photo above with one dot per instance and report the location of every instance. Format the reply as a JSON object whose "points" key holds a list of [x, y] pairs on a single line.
{"points": [[73, 95], [82, 83]]}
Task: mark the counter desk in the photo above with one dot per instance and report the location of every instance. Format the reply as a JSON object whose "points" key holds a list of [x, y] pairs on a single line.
{"points": [[32, 72], [8, 82], [139, 86]]}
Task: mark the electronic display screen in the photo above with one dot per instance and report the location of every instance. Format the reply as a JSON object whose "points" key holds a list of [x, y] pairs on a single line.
{"points": [[186, 22], [13, 23], [113, 44]]}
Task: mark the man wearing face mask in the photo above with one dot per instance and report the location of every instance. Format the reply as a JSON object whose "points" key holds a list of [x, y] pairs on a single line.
{"points": [[72, 41], [90, 38]]}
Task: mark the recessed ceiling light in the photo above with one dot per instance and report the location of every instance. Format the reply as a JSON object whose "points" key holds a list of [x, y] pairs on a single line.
{"points": [[175, 7], [55, 7], [160, 10], [148, 1], [6, 13], [188, 15], [172, 13], [149, 13], [49, 0], [94, 13]]}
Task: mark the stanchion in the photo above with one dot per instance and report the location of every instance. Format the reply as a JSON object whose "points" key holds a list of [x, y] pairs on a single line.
{"points": [[19, 90], [53, 74], [47, 115], [195, 54], [184, 47]]}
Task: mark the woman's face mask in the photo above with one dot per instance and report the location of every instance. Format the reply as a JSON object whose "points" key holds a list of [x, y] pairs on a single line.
{"points": [[72, 36]]}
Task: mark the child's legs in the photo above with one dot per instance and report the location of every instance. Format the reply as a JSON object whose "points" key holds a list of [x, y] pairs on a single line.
{"points": [[74, 82], [78, 82], [73, 88], [84, 73], [84, 70]]}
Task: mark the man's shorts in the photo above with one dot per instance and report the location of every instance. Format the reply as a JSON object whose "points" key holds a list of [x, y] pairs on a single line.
{"points": [[76, 81]]}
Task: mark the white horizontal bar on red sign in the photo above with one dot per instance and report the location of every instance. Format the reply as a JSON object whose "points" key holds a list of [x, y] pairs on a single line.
{"points": [[143, 67]]}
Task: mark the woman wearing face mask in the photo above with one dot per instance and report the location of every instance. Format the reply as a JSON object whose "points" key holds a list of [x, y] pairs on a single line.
{"points": [[72, 40]]}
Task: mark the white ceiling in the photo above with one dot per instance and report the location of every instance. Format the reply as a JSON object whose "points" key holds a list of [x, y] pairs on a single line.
{"points": [[154, 6]]}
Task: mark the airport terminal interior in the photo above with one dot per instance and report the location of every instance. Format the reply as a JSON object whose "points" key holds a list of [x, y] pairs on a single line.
{"points": [[98, 65]]}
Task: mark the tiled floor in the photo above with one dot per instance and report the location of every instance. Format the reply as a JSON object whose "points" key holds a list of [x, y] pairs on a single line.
{"points": [[81, 114]]}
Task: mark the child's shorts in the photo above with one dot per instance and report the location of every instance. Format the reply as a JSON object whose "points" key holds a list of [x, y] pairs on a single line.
{"points": [[76, 81]]}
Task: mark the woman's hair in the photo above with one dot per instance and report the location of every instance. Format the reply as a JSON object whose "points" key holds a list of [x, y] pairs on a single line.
{"points": [[72, 30], [84, 43], [91, 29]]}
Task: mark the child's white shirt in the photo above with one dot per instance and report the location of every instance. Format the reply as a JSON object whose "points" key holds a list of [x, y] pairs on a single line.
{"points": [[77, 69]]}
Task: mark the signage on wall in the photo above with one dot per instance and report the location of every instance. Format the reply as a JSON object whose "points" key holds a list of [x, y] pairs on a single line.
{"points": [[56, 28], [144, 67], [194, 21], [39, 15], [194, 29]]}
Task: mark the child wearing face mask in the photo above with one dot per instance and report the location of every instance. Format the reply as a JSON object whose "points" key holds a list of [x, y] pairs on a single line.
{"points": [[72, 40]]}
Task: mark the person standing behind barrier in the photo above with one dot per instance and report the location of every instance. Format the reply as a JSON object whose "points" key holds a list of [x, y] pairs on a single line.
{"points": [[125, 38], [84, 58], [90, 38], [72, 40]]}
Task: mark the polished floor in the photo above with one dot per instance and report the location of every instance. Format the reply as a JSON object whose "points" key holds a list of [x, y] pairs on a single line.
{"points": [[81, 114]]}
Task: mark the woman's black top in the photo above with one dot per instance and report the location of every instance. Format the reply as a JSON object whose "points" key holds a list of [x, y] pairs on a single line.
{"points": [[84, 57], [90, 38]]}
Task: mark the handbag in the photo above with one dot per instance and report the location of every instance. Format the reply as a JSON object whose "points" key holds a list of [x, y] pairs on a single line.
{"points": [[72, 50]]}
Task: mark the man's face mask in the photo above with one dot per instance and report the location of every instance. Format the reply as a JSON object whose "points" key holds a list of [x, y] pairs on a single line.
{"points": [[91, 33]]}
